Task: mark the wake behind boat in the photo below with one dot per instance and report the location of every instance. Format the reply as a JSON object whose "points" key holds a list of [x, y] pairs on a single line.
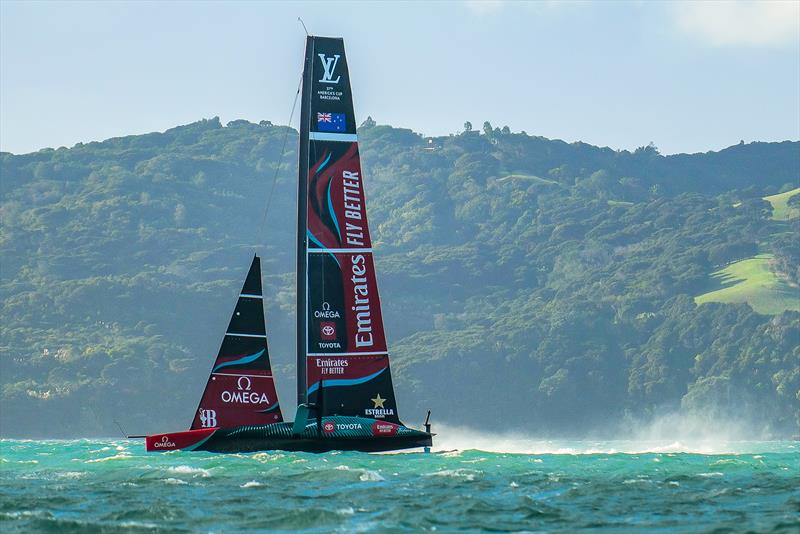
{"points": [[345, 394]]}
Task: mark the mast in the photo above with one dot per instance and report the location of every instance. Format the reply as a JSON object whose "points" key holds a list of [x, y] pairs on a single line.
{"points": [[302, 222], [340, 325]]}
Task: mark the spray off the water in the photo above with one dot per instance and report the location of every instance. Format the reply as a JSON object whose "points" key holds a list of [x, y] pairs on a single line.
{"points": [[670, 433]]}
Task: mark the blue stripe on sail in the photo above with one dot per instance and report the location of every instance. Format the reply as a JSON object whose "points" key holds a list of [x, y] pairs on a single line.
{"points": [[242, 360], [338, 382], [314, 239], [323, 247], [333, 213], [325, 162], [272, 409]]}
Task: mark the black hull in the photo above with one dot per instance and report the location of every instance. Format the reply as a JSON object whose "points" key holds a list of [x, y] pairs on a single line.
{"points": [[337, 433], [315, 445]]}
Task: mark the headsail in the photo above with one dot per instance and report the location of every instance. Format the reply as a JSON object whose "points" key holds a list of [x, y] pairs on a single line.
{"points": [[340, 327], [240, 389]]}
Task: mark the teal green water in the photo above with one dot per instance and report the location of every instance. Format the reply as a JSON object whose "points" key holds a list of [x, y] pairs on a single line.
{"points": [[108, 485]]}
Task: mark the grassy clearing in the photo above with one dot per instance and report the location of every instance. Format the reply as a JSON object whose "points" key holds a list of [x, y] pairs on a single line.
{"points": [[752, 281], [781, 211], [528, 177]]}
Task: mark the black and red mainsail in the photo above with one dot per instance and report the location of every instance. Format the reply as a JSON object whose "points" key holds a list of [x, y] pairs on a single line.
{"points": [[240, 389], [341, 344]]}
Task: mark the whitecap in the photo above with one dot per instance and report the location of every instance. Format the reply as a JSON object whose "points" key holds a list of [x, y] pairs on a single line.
{"points": [[709, 475], [342, 468], [27, 461], [138, 524], [263, 457], [251, 484], [189, 470], [71, 474], [514, 484], [370, 476], [109, 458], [174, 481], [346, 511], [456, 473]]}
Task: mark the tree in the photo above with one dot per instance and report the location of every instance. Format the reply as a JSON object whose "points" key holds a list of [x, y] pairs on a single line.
{"points": [[467, 126]]}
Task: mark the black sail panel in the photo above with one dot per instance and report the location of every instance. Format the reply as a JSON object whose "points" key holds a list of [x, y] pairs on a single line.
{"points": [[240, 389], [341, 339]]}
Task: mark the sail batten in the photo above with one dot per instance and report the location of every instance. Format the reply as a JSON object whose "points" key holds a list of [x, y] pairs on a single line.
{"points": [[339, 309]]}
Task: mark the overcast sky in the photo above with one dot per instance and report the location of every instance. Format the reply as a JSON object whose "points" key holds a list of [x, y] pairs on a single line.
{"points": [[689, 77]]}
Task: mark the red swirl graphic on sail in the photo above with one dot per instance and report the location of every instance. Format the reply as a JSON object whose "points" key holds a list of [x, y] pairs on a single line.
{"points": [[337, 216]]}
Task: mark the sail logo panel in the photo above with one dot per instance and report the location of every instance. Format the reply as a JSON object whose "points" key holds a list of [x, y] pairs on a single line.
{"points": [[353, 385], [344, 308], [240, 389]]}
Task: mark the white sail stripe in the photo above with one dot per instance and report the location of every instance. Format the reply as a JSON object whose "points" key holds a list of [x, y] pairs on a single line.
{"points": [[331, 136], [251, 296], [245, 335], [336, 354], [249, 376], [337, 250]]}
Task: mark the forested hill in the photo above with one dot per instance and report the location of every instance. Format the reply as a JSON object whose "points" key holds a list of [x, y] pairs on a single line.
{"points": [[527, 283]]}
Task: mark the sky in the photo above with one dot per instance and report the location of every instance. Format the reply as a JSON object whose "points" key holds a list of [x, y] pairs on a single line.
{"points": [[689, 77]]}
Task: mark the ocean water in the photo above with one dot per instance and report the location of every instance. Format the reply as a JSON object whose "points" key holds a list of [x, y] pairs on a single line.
{"points": [[524, 485]]}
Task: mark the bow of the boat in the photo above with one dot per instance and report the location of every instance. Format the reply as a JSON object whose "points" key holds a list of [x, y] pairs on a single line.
{"points": [[188, 440]]}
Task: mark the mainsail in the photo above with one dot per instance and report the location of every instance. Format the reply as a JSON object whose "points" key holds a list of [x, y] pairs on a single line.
{"points": [[341, 344], [240, 389]]}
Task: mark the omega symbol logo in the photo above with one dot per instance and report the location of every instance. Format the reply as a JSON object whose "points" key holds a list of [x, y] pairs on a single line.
{"points": [[329, 65], [244, 383], [165, 439]]}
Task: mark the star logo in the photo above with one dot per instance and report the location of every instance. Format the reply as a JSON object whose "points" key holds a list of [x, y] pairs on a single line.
{"points": [[378, 401]]}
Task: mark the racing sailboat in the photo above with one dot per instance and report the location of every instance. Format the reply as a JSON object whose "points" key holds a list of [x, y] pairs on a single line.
{"points": [[345, 397]]}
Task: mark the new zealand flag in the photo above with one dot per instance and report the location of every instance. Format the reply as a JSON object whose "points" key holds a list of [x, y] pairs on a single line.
{"points": [[331, 122]]}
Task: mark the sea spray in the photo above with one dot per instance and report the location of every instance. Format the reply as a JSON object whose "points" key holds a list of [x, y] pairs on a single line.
{"points": [[675, 433]]}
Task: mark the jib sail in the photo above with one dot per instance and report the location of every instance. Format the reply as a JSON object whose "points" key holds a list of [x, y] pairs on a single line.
{"points": [[240, 389], [341, 341]]}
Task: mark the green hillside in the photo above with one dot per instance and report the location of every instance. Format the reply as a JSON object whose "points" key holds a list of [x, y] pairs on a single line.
{"points": [[562, 299], [752, 281], [783, 209]]}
